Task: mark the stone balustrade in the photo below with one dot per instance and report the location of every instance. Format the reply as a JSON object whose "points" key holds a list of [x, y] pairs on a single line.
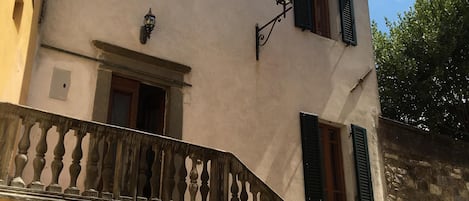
{"points": [[121, 163]]}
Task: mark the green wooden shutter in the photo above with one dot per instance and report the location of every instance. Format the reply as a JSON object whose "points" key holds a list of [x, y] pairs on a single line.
{"points": [[312, 157], [303, 14], [349, 35], [362, 164]]}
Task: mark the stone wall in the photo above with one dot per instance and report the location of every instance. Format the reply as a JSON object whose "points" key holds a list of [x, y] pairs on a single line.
{"points": [[422, 166]]}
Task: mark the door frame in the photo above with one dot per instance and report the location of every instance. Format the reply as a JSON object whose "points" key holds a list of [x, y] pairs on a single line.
{"points": [[145, 69]]}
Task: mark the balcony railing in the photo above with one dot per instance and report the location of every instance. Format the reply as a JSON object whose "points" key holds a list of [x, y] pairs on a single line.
{"points": [[121, 163]]}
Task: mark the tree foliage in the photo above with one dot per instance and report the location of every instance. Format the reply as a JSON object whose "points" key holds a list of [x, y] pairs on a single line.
{"points": [[423, 67]]}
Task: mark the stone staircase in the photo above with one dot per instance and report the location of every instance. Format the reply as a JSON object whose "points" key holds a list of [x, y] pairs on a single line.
{"points": [[38, 162]]}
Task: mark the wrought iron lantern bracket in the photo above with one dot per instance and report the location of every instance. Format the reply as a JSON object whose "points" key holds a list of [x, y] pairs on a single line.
{"points": [[261, 39], [147, 27]]}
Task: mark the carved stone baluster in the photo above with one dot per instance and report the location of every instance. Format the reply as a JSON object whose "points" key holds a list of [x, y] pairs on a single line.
{"points": [[22, 158], [234, 181], [265, 196], [127, 177], [216, 179], [142, 173], [127, 160], [182, 185], [75, 167], [225, 178], [169, 171], [39, 161], [57, 164], [204, 189], [108, 167], [244, 194], [8, 130], [91, 181], [156, 173], [254, 190], [234, 187], [193, 187]]}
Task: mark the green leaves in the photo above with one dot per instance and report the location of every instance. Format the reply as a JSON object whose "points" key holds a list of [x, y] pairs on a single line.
{"points": [[423, 67]]}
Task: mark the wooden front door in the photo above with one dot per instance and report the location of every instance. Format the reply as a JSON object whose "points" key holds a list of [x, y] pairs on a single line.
{"points": [[133, 104]]}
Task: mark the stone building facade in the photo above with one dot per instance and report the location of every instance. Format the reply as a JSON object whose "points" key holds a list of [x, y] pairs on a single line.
{"points": [[423, 166], [200, 67]]}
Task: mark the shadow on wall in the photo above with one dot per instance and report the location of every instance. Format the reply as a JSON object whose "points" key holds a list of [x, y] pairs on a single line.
{"points": [[316, 86]]}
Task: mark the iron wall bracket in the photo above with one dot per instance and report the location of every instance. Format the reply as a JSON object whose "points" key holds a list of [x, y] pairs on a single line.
{"points": [[261, 39]]}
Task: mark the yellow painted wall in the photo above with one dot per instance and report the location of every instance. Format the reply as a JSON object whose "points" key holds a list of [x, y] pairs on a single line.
{"points": [[17, 47]]}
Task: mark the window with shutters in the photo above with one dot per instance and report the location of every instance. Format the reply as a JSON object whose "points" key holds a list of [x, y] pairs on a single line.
{"points": [[322, 160], [334, 188], [323, 163], [349, 34], [315, 15], [362, 164]]}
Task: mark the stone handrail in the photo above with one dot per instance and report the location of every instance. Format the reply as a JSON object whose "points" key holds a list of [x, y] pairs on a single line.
{"points": [[122, 163]]}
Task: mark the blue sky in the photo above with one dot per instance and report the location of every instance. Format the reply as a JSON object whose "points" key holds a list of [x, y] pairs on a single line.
{"points": [[387, 8]]}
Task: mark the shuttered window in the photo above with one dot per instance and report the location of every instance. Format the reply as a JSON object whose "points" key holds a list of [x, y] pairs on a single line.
{"points": [[322, 160], [313, 15], [334, 188], [312, 157], [303, 14], [348, 22], [362, 164]]}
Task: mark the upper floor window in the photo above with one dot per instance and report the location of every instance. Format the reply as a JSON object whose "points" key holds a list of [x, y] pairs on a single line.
{"points": [[314, 15]]}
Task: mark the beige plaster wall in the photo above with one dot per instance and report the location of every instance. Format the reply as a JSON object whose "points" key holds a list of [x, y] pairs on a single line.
{"points": [[238, 104], [17, 48]]}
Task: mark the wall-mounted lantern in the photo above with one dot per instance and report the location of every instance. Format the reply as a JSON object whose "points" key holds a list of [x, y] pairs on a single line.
{"points": [[148, 26]]}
